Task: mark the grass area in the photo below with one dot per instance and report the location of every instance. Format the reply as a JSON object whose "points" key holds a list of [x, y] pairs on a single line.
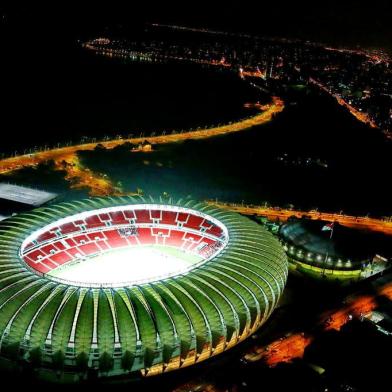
{"points": [[131, 264]]}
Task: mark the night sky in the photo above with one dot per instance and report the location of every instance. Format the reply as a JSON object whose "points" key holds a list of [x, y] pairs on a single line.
{"points": [[336, 22], [38, 41]]}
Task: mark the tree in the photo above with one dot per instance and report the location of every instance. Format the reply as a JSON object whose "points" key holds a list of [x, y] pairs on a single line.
{"points": [[124, 147], [105, 362], [58, 360], [127, 360], [82, 362], [11, 350], [36, 357], [99, 147]]}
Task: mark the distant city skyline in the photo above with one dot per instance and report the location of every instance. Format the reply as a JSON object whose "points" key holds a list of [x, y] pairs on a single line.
{"points": [[346, 23]]}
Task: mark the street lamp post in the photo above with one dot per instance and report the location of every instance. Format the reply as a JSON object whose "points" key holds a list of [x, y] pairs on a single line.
{"points": [[327, 227]]}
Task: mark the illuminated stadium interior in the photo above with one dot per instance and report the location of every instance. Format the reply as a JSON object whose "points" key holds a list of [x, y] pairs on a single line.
{"points": [[124, 245]]}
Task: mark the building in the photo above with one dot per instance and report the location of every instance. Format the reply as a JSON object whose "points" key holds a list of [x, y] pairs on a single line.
{"points": [[343, 253], [125, 285], [24, 195]]}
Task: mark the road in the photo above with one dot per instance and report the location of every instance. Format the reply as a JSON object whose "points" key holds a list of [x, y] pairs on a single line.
{"points": [[29, 160], [275, 214], [359, 305], [360, 116]]}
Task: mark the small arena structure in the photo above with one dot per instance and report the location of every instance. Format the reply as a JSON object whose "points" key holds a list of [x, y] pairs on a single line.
{"points": [[346, 256], [132, 284]]}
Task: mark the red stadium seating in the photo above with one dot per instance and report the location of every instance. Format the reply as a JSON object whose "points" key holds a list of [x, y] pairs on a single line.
{"points": [[129, 214], [103, 245], [175, 239], [104, 217], [49, 249], [59, 245], [96, 236], [67, 228], [112, 235], [193, 237], [114, 240], [143, 216], [207, 224], [61, 258], [194, 222], [209, 241], [133, 241], [118, 218], [93, 235], [182, 217], [29, 261], [215, 230], [169, 218], [29, 246], [159, 231], [190, 246], [73, 251], [79, 239], [35, 254], [145, 236], [155, 214], [79, 222], [93, 222], [49, 264], [46, 236], [89, 249], [71, 243]]}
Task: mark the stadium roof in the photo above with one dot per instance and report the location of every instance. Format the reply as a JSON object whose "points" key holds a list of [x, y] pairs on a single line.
{"points": [[162, 325], [346, 243]]}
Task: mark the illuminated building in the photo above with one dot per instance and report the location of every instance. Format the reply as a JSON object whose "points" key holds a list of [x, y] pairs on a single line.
{"points": [[133, 285]]}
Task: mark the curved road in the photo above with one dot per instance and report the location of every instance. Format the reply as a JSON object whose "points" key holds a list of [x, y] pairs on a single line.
{"points": [[269, 110]]}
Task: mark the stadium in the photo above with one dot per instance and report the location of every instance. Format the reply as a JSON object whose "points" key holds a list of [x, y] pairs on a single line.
{"points": [[132, 285], [343, 254]]}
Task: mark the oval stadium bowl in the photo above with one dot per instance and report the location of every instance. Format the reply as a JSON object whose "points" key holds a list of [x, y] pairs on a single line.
{"points": [[125, 285]]}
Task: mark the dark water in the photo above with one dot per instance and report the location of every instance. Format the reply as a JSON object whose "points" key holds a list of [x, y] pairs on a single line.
{"points": [[96, 97], [79, 94], [244, 166]]}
